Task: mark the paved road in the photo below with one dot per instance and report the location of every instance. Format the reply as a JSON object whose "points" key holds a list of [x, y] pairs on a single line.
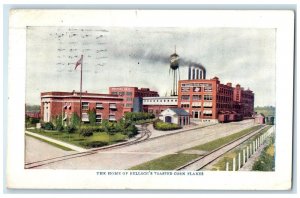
{"points": [[70, 146], [126, 157], [37, 150]]}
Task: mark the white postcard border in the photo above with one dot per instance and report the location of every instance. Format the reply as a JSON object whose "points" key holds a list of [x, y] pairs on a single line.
{"points": [[17, 177]]}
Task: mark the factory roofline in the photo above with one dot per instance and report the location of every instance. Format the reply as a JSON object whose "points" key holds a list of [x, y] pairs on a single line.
{"points": [[217, 79], [180, 111], [62, 94]]}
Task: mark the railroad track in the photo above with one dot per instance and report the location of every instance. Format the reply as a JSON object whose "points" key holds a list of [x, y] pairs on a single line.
{"points": [[208, 158], [144, 135]]}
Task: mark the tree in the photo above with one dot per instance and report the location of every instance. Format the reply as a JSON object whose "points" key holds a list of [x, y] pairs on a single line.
{"points": [[58, 123], [121, 125], [75, 120], [92, 116], [131, 130], [108, 128]]}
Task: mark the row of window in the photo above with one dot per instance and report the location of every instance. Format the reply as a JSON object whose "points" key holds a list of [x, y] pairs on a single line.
{"points": [[224, 98], [85, 118], [197, 114], [196, 97], [165, 100], [247, 96], [225, 91], [197, 89], [155, 111], [228, 106], [85, 106], [122, 93], [208, 106]]}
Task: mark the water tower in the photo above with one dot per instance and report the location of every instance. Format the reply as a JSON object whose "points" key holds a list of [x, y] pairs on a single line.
{"points": [[174, 67]]}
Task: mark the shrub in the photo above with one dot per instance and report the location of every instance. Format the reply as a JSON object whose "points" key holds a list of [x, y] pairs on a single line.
{"points": [[131, 131], [108, 127], [95, 128], [164, 126], [135, 116], [70, 129], [48, 126], [144, 121], [99, 128], [95, 144], [86, 131], [266, 162], [59, 127]]}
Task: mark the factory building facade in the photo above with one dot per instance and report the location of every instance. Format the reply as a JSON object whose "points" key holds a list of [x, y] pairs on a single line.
{"points": [[245, 98], [107, 106], [132, 96], [210, 101], [156, 105]]}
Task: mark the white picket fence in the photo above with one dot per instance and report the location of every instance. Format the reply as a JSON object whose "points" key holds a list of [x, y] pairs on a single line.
{"points": [[248, 151]]}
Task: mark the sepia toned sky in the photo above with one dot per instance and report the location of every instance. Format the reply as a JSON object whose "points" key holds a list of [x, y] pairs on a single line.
{"points": [[130, 56]]}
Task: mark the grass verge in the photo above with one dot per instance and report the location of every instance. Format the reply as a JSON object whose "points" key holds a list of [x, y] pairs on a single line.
{"points": [[168, 162], [209, 146], [51, 143]]}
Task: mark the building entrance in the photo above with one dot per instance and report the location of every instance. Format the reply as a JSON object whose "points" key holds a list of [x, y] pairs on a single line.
{"points": [[168, 119]]}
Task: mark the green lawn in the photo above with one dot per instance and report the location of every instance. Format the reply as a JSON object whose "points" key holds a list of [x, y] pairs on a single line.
{"points": [[209, 146], [168, 162], [51, 143], [78, 140]]}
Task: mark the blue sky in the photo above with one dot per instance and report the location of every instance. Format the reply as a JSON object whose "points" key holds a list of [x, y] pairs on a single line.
{"points": [[129, 56]]}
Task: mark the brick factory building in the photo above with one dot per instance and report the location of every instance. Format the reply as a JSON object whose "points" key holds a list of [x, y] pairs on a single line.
{"points": [[156, 105], [107, 106], [246, 99], [210, 101], [132, 96]]}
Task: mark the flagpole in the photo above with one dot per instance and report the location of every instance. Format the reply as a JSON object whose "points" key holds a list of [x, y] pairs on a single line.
{"points": [[81, 89]]}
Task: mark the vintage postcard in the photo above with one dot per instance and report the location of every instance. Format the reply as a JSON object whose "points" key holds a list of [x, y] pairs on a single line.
{"points": [[107, 99]]}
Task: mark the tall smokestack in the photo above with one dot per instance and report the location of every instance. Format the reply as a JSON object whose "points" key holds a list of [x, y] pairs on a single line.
{"points": [[189, 73]]}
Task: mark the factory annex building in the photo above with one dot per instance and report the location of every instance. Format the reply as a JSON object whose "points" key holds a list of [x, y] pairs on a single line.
{"points": [[108, 106]]}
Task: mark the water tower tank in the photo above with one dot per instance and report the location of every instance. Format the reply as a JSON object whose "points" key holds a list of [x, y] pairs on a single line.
{"points": [[174, 61]]}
